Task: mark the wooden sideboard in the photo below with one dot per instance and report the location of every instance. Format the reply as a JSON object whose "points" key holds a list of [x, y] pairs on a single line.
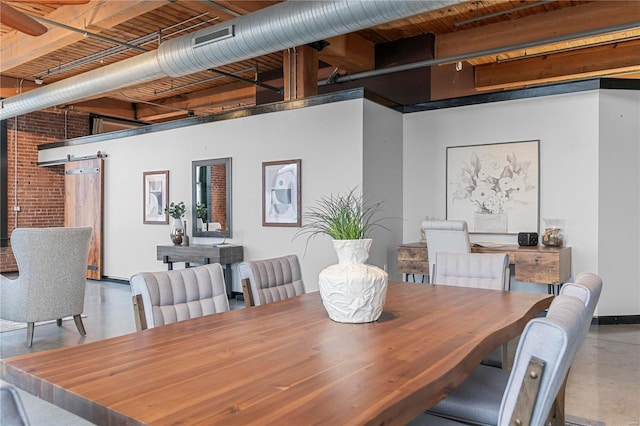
{"points": [[537, 264], [224, 254]]}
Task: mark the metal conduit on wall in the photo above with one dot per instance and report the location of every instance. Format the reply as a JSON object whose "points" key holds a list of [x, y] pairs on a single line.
{"points": [[285, 25]]}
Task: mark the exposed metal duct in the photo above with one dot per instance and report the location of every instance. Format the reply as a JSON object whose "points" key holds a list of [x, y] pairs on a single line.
{"points": [[287, 24]]}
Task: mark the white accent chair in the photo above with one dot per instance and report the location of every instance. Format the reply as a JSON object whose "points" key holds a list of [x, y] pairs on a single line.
{"points": [[445, 235], [478, 270], [271, 280], [164, 297], [52, 265], [489, 396]]}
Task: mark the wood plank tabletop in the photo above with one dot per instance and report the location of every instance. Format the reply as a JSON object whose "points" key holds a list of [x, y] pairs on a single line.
{"points": [[284, 363]]}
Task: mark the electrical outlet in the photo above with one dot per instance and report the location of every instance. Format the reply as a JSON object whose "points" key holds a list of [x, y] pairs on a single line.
{"points": [[16, 208]]}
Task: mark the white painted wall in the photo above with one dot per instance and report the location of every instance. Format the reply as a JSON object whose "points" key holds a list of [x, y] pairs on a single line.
{"points": [[328, 139], [589, 162], [586, 147], [619, 202], [382, 160]]}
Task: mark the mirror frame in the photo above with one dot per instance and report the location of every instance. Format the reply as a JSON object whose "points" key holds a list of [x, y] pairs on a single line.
{"points": [[212, 162]]}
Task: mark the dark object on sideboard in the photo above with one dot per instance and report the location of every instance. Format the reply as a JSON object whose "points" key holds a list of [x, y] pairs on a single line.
{"points": [[528, 239]]}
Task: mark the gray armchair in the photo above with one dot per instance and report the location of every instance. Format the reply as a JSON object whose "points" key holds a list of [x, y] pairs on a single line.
{"points": [[270, 280], [52, 265]]}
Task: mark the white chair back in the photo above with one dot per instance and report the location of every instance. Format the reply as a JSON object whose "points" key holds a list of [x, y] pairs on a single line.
{"points": [[445, 235]]}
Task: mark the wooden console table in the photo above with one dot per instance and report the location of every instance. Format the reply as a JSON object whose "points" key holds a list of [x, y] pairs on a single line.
{"points": [[224, 254], [537, 264]]}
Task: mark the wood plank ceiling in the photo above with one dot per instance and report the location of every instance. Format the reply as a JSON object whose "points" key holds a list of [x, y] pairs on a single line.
{"points": [[484, 33]]}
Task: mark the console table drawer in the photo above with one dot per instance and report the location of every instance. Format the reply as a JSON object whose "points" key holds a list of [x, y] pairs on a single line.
{"points": [[413, 259], [552, 267]]}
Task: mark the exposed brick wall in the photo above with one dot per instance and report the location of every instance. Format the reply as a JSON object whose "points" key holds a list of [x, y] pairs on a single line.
{"points": [[219, 194], [39, 190]]}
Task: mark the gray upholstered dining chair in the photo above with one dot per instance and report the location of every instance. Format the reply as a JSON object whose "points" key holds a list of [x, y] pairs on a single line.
{"points": [[479, 270], [445, 235], [52, 266], [490, 395], [164, 297], [12, 412], [270, 280]]}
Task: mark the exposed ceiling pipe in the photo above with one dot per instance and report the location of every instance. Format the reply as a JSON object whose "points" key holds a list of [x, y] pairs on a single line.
{"points": [[272, 29], [140, 41], [88, 34], [477, 54]]}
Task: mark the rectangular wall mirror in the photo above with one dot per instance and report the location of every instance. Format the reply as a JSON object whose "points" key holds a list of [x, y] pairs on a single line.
{"points": [[211, 198]]}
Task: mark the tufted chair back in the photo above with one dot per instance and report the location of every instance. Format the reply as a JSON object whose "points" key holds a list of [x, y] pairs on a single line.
{"points": [[445, 235], [479, 270], [270, 280], [170, 296]]}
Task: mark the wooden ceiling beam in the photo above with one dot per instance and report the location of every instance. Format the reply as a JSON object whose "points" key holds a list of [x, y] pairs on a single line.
{"points": [[10, 86], [244, 7], [106, 106], [18, 48], [350, 52], [220, 96], [589, 62], [570, 20]]}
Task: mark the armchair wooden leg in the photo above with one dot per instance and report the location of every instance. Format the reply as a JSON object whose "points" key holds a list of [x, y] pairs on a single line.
{"points": [[79, 325], [30, 327], [59, 322]]}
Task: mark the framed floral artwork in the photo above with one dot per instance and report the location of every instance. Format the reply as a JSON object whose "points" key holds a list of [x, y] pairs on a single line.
{"points": [[155, 187], [281, 193], [495, 187]]}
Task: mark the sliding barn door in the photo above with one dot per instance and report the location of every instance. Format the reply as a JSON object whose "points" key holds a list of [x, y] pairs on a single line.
{"points": [[83, 184]]}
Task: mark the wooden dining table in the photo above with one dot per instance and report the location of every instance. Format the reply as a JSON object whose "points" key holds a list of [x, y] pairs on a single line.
{"points": [[284, 363]]}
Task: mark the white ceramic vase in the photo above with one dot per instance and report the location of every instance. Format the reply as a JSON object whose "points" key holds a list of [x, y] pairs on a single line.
{"points": [[177, 231], [352, 291]]}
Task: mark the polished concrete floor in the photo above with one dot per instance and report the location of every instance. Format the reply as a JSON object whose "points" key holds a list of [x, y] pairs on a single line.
{"points": [[603, 385]]}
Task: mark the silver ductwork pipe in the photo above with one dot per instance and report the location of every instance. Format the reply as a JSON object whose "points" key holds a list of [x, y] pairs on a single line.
{"points": [[288, 24]]}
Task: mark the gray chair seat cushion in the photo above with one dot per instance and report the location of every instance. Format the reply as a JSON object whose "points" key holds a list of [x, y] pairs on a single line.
{"points": [[478, 398]]}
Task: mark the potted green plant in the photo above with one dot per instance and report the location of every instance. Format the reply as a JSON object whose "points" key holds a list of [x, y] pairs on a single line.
{"points": [[351, 291], [343, 217], [176, 212]]}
